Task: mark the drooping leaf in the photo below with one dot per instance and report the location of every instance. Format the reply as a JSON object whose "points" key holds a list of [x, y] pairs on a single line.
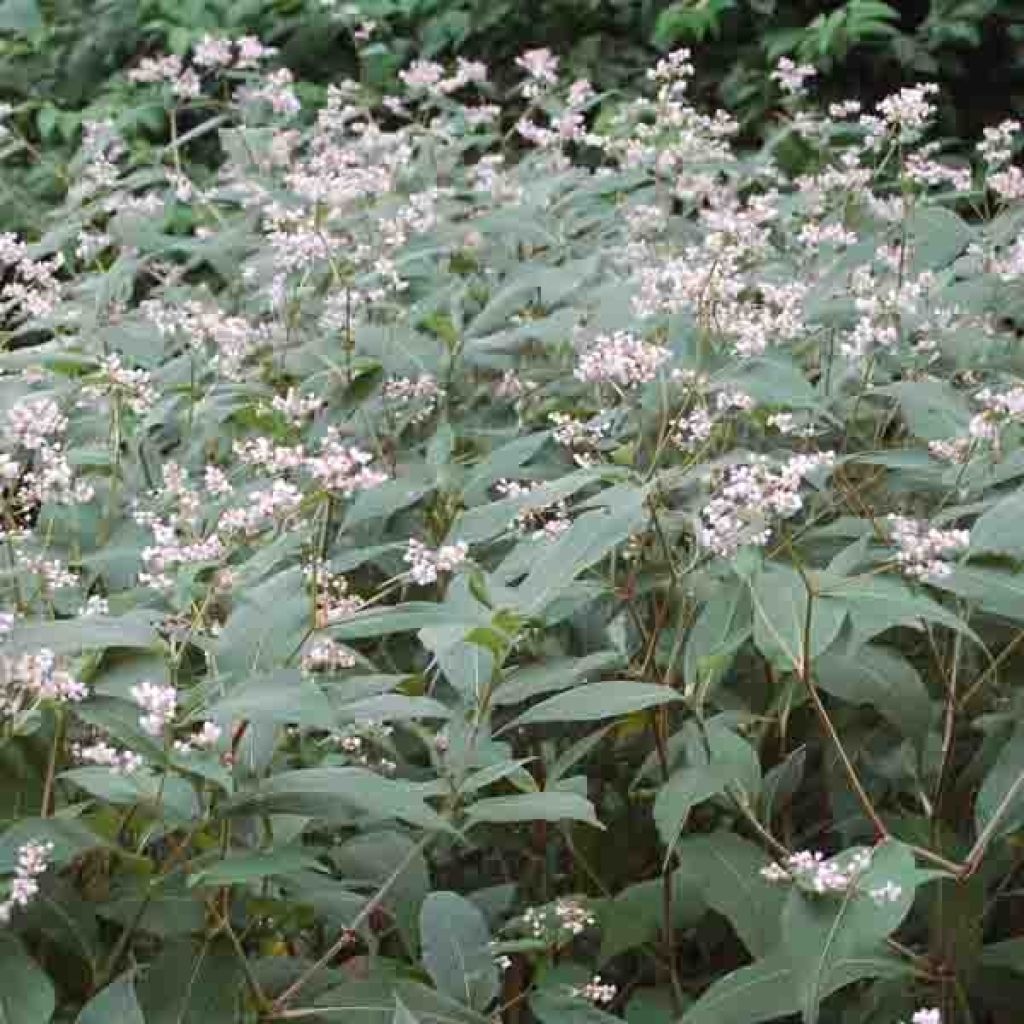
{"points": [[455, 937]]}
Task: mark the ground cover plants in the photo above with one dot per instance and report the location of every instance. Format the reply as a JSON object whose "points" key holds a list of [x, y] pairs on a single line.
{"points": [[549, 566]]}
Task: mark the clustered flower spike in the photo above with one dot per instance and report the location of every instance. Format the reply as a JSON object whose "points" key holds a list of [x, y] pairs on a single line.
{"points": [[33, 860], [426, 565], [596, 991], [621, 359], [924, 551], [158, 704], [813, 871], [749, 496]]}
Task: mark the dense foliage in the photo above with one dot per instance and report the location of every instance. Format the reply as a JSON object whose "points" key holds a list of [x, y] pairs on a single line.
{"points": [[562, 572], [62, 62]]}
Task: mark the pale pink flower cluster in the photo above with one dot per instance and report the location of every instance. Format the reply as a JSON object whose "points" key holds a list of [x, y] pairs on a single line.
{"points": [[327, 655], [120, 762], [581, 437], [206, 736], [924, 551], [565, 915], [158, 704], [997, 143], [51, 572], [333, 601], [218, 52], [621, 359], [133, 387], [423, 392], [275, 90], [791, 77], [541, 67], [30, 286], [901, 117], [232, 338], [296, 407], [596, 991], [426, 76], [31, 678], [749, 496], [274, 505], [811, 870], [35, 422], [343, 468], [33, 860], [541, 520], [426, 564]]}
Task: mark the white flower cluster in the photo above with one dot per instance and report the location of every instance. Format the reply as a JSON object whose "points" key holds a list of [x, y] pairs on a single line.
{"points": [[426, 565], [33, 860], [926, 1016], [925, 550], [903, 116], [749, 496], [595, 991], [792, 77], [811, 870], [358, 740], [581, 437], [695, 428], [564, 916], [423, 392], [30, 286], [133, 387], [541, 520], [425, 76], [206, 736], [541, 67], [334, 603], [295, 407], [30, 678], [620, 358], [343, 468], [158, 704], [120, 762], [327, 655], [42, 473]]}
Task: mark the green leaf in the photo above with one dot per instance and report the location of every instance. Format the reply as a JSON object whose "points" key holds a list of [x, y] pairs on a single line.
{"points": [[241, 868], [998, 531], [65, 636], [373, 1002], [732, 766], [595, 701], [402, 1014], [337, 792], [280, 696], [726, 868], [552, 805], [591, 538], [933, 410], [26, 995], [402, 618], [20, 16], [723, 626], [763, 991], [455, 938], [191, 983], [996, 788], [883, 678], [115, 1004], [781, 618]]}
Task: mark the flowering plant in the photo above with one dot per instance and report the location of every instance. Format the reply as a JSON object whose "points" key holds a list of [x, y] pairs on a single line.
{"points": [[543, 568]]}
